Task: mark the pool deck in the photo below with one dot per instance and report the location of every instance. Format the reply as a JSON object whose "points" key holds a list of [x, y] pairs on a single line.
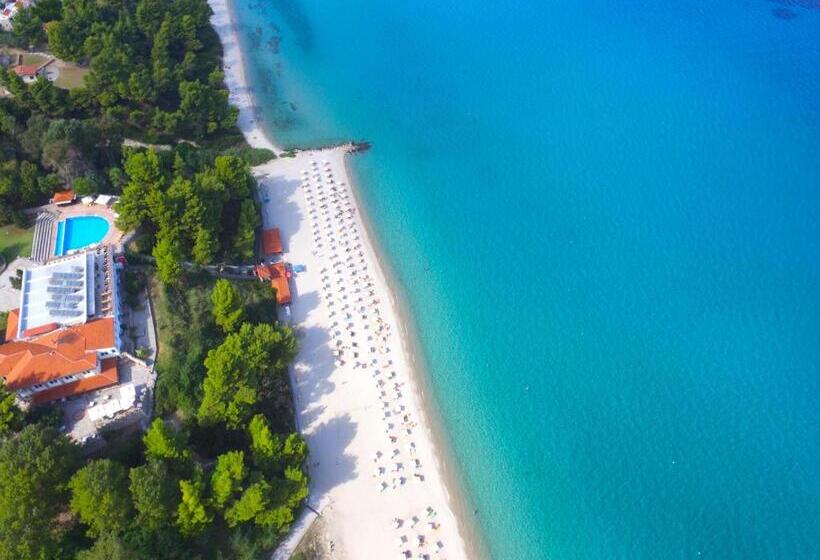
{"points": [[45, 234], [114, 235]]}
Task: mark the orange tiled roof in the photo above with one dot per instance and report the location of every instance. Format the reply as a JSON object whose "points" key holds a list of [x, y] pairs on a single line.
{"points": [[63, 196], [278, 276], [11, 324], [271, 241], [279, 282], [42, 329], [25, 70], [109, 375], [59, 353]]}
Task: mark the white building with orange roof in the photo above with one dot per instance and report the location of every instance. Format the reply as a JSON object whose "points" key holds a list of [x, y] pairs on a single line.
{"points": [[64, 339]]}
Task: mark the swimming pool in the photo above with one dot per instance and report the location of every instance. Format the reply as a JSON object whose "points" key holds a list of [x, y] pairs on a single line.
{"points": [[76, 233]]}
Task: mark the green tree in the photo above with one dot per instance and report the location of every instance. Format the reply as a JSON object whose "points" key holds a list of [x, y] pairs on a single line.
{"points": [[295, 450], [252, 503], [27, 27], [35, 188], [150, 14], [245, 236], [162, 64], [155, 493], [227, 477], [34, 468], [168, 254], [163, 442], [68, 145], [66, 37], [204, 109], [48, 10], [278, 518], [266, 446], [233, 173], [140, 86], [100, 497], [109, 547], [144, 178], [61, 42], [205, 246], [16, 87], [89, 184], [294, 487], [228, 307], [239, 369], [11, 417], [110, 65], [48, 98], [193, 515], [31, 139]]}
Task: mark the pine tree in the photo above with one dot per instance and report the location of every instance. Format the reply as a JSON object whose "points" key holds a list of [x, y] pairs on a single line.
{"points": [[228, 308]]}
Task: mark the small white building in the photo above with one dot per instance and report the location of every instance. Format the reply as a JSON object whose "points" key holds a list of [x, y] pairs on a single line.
{"points": [[9, 9], [7, 12], [28, 72]]}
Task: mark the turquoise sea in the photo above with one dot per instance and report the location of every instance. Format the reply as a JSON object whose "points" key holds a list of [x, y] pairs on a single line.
{"points": [[604, 218]]}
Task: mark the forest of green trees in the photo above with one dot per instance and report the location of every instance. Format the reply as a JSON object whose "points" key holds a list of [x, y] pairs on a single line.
{"points": [[154, 76], [189, 211], [220, 478], [220, 473]]}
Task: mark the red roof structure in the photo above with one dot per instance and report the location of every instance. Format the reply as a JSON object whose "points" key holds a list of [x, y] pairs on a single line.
{"points": [[64, 197], [42, 329], [59, 353], [271, 242], [23, 70], [109, 375], [12, 322], [277, 274]]}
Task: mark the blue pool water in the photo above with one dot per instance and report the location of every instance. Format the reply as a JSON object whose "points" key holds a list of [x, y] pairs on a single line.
{"points": [[78, 232], [604, 218]]}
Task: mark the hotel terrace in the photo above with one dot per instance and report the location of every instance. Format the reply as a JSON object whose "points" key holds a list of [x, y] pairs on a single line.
{"points": [[64, 339]]}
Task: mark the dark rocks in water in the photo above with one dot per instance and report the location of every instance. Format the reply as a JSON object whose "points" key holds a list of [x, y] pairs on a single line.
{"points": [[292, 106], [783, 13], [356, 147]]}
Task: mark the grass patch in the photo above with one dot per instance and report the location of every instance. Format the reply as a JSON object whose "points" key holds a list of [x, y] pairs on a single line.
{"points": [[33, 59], [15, 242], [186, 332], [71, 77]]}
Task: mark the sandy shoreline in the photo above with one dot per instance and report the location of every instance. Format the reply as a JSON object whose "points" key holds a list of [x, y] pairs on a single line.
{"points": [[463, 509], [241, 94], [359, 403]]}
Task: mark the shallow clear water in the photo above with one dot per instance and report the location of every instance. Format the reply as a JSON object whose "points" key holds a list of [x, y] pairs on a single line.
{"points": [[604, 216], [78, 232]]}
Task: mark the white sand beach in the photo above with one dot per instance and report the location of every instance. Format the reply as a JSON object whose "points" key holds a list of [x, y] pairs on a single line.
{"points": [[241, 95], [375, 476]]}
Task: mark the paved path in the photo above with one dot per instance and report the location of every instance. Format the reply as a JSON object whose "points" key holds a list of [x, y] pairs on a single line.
{"points": [[10, 297]]}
